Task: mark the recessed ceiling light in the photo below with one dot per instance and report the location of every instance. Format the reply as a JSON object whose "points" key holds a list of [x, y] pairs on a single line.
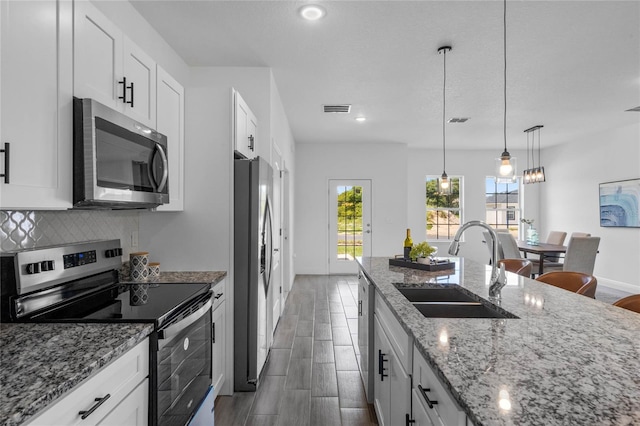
{"points": [[361, 119], [312, 12]]}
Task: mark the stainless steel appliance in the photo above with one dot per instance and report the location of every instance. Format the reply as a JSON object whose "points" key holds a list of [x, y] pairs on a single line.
{"points": [[79, 283], [253, 252], [117, 162]]}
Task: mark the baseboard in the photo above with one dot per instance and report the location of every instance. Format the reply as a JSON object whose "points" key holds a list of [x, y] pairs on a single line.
{"points": [[619, 285]]}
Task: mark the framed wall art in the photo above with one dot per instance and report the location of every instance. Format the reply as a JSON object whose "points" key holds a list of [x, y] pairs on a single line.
{"points": [[620, 204]]}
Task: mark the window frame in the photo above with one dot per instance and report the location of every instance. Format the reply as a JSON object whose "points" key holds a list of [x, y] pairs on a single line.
{"points": [[459, 209], [510, 209]]}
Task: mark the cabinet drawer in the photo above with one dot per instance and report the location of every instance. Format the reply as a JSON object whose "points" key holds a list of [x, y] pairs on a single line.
{"points": [[446, 412], [401, 342], [117, 380]]}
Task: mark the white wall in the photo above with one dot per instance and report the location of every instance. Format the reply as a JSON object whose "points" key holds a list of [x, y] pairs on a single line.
{"points": [[570, 199], [384, 164], [199, 238]]}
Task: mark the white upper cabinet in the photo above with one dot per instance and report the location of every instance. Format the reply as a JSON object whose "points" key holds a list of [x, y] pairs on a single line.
{"points": [[170, 122], [36, 110], [110, 68], [246, 127]]}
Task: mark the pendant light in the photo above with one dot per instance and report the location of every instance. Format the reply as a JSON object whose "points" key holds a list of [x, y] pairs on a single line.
{"points": [[506, 165], [534, 174], [444, 183]]}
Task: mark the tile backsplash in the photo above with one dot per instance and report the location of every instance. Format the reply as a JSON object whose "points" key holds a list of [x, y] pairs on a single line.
{"points": [[28, 229]]}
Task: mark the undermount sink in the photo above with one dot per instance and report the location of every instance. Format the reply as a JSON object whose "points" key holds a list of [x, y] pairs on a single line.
{"points": [[450, 302]]}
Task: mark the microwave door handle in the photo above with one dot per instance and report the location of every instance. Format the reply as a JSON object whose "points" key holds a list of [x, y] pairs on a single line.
{"points": [[165, 168], [175, 329]]}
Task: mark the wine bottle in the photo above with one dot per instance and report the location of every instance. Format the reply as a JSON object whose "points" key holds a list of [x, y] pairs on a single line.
{"points": [[408, 244]]}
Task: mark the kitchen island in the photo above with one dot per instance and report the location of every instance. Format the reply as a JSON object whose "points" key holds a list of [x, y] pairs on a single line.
{"points": [[566, 359]]}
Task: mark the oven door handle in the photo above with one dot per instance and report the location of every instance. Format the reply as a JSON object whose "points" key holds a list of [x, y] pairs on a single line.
{"points": [[174, 329]]}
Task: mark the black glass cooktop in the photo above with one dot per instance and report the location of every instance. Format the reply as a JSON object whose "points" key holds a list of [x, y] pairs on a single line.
{"points": [[154, 303]]}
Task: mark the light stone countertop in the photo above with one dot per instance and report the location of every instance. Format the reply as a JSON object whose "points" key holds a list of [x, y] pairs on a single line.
{"points": [[180, 277], [41, 362], [567, 359]]}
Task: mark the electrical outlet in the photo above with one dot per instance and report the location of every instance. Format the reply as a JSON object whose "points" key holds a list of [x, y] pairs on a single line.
{"points": [[134, 238]]}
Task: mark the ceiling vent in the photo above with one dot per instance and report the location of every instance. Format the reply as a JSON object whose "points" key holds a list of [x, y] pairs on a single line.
{"points": [[458, 120], [636, 109], [342, 109]]}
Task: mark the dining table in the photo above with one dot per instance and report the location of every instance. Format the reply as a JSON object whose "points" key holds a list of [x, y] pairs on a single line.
{"points": [[541, 249]]}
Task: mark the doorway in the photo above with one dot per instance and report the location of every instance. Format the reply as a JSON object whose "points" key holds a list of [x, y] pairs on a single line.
{"points": [[349, 224]]}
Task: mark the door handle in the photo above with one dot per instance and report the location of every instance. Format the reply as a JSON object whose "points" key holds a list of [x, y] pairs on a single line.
{"points": [[381, 362], [99, 402], [424, 391], [5, 175], [359, 308], [251, 140]]}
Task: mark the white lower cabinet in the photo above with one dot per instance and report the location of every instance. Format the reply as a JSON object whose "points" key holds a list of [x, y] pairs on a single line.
{"points": [[218, 353], [117, 395], [392, 363], [432, 403]]}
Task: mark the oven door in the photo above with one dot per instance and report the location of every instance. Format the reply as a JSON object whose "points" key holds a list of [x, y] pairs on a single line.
{"points": [[184, 366]]}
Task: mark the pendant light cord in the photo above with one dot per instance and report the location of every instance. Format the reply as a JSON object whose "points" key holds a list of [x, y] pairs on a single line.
{"points": [[444, 107], [504, 121]]}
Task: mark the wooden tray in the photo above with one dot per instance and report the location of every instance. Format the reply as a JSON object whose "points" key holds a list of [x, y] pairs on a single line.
{"points": [[423, 266]]}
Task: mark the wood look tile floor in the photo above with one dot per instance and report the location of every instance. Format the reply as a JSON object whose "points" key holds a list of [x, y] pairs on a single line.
{"points": [[311, 376]]}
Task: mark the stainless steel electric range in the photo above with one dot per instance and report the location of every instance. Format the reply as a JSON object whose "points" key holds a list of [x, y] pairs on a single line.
{"points": [[79, 283]]}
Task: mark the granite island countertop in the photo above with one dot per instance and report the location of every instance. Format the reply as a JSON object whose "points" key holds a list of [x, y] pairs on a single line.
{"points": [[41, 362], [567, 359]]}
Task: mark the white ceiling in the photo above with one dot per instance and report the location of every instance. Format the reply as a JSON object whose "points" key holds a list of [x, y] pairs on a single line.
{"points": [[572, 66]]}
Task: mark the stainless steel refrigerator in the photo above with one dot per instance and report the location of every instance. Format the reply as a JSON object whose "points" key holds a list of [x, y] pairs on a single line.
{"points": [[253, 252]]}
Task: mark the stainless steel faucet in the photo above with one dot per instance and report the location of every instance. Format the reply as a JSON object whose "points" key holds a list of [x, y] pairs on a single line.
{"points": [[498, 278]]}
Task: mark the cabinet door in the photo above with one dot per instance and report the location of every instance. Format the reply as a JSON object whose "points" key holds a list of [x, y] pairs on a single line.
{"points": [[97, 56], [382, 383], [132, 411], [246, 127], [170, 122], [400, 391], [364, 338], [140, 71], [36, 104], [420, 416], [218, 353]]}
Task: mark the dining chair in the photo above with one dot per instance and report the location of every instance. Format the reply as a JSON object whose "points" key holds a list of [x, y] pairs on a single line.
{"points": [[580, 234], [580, 256], [631, 303], [517, 266], [554, 237], [577, 282], [509, 246]]}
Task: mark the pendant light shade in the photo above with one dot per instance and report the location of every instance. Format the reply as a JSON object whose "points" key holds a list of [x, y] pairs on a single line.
{"points": [[444, 183], [506, 164]]}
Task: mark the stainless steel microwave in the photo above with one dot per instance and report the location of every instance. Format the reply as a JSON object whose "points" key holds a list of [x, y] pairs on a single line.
{"points": [[118, 163]]}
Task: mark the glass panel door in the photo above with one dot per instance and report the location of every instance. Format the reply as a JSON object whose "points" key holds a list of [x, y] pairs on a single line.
{"points": [[349, 224]]}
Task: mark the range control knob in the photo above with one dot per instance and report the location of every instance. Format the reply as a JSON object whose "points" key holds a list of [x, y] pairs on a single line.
{"points": [[33, 268], [113, 252], [47, 265]]}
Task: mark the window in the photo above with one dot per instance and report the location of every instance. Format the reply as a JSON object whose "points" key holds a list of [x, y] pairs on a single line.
{"points": [[443, 211], [503, 209]]}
